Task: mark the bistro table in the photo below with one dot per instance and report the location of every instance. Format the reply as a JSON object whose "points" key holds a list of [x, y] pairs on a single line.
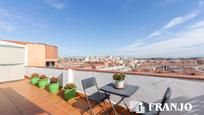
{"points": [[122, 93]]}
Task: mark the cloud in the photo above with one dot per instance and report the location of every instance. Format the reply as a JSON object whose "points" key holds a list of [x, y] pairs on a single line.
{"points": [[133, 46], [154, 34], [166, 42], [180, 20], [173, 23], [188, 42], [57, 4]]}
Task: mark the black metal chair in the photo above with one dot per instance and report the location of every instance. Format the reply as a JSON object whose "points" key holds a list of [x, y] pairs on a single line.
{"points": [[164, 100], [97, 97]]}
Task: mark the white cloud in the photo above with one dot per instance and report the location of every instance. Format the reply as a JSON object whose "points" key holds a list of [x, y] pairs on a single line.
{"points": [[185, 43], [173, 23], [180, 20], [198, 25], [131, 47], [154, 34], [57, 4]]}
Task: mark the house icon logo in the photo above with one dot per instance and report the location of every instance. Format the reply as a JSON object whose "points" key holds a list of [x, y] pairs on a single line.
{"points": [[137, 106]]}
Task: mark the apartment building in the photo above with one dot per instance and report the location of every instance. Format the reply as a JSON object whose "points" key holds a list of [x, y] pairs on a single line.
{"points": [[39, 54]]}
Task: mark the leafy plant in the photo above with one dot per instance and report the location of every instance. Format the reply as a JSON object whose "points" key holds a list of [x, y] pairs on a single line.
{"points": [[54, 80], [34, 75], [70, 86], [119, 76], [43, 76]]}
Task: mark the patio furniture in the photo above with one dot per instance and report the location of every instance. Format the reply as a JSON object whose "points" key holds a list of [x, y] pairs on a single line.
{"points": [[97, 97], [122, 93], [165, 99]]}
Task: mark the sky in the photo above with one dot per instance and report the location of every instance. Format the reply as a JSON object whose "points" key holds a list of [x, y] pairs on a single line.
{"points": [[138, 28]]}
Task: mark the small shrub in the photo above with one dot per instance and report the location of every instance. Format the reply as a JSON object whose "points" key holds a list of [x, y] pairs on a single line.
{"points": [[43, 76], [34, 75], [70, 86], [54, 80], [119, 76]]}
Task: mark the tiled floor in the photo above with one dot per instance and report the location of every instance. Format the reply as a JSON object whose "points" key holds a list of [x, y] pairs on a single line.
{"points": [[22, 98]]}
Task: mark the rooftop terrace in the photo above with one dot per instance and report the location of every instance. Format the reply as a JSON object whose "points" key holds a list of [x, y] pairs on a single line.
{"points": [[22, 98]]}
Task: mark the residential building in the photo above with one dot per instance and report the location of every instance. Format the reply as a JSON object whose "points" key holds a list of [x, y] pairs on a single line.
{"points": [[39, 54]]}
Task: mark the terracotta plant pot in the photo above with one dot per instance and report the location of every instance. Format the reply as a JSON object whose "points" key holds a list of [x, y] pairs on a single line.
{"points": [[69, 93]]}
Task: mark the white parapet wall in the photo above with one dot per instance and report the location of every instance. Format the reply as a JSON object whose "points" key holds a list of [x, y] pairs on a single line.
{"points": [[62, 74], [151, 89]]}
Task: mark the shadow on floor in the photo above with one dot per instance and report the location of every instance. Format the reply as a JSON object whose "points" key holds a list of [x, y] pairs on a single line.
{"points": [[81, 103], [197, 103], [12, 103]]}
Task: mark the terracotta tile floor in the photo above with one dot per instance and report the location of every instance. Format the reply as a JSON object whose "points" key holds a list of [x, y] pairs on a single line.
{"points": [[22, 98]]}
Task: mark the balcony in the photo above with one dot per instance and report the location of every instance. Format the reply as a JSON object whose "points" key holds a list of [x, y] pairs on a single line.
{"points": [[20, 97]]}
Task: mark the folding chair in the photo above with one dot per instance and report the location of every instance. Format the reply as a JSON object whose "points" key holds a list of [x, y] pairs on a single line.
{"points": [[97, 96]]}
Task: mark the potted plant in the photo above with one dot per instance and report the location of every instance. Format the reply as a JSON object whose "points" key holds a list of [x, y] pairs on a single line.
{"points": [[43, 81], [119, 78], [70, 91], [54, 85], [34, 78]]}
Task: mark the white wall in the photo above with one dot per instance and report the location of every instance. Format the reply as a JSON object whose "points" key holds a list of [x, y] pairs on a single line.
{"points": [[49, 72]]}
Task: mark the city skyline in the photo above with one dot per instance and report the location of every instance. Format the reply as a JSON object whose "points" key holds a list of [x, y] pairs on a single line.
{"points": [[142, 29]]}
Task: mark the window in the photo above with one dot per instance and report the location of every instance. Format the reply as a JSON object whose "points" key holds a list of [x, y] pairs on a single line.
{"points": [[50, 64]]}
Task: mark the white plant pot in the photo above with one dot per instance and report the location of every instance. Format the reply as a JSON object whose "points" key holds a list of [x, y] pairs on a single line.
{"points": [[119, 84]]}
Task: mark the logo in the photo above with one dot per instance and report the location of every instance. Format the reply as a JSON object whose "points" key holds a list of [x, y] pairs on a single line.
{"points": [[138, 107]]}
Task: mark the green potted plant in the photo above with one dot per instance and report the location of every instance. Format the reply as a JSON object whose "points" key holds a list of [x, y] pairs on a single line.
{"points": [[43, 81], [34, 78], [119, 78], [54, 85], [69, 91]]}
